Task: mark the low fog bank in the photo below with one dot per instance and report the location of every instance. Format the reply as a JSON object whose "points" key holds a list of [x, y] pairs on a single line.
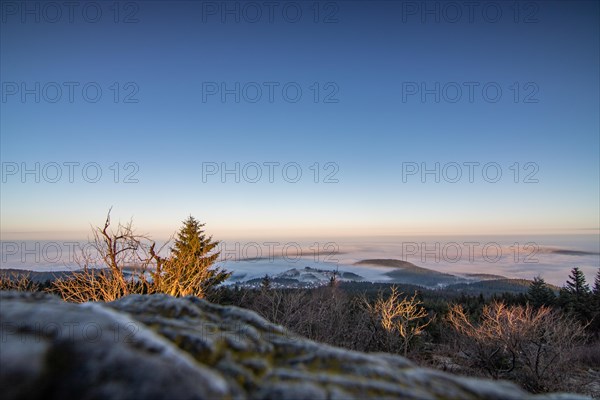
{"points": [[551, 256]]}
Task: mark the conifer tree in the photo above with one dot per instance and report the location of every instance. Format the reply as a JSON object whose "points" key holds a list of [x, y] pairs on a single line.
{"points": [[577, 284], [195, 250], [575, 296], [595, 325], [596, 294], [539, 294]]}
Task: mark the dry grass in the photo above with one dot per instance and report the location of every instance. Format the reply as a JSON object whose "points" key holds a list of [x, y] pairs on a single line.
{"points": [[95, 285]]}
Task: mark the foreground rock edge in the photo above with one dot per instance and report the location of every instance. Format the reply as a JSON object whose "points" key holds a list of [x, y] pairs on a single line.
{"points": [[186, 348]]}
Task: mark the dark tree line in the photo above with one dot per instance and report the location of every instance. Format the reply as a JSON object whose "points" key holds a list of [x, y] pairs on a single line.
{"points": [[575, 298]]}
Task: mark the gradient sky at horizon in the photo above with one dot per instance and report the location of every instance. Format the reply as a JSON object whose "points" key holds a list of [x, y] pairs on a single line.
{"points": [[371, 56]]}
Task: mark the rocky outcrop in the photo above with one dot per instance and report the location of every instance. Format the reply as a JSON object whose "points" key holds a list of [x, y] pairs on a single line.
{"points": [[185, 348]]}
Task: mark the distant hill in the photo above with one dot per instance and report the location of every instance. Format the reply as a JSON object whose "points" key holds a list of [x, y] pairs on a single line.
{"points": [[409, 273], [485, 277], [309, 274], [514, 286], [574, 252], [300, 278], [37, 277]]}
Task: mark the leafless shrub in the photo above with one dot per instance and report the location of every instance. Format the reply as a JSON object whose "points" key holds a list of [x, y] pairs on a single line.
{"points": [[526, 344], [401, 317], [279, 306], [114, 251], [587, 355], [325, 314], [19, 282]]}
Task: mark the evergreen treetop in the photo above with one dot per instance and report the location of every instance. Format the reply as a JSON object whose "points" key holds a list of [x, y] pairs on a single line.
{"points": [[576, 284], [194, 250], [192, 241], [575, 296], [539, 294]]}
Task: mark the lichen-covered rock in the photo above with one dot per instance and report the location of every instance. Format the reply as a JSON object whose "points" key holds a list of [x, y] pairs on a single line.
{"points": [[55, 350], [185, 348]]}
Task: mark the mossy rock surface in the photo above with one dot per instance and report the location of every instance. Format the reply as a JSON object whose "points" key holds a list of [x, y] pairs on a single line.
{"points": [[156, 347]]}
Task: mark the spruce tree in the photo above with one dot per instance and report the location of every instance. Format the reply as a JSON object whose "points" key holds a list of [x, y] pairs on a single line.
{"points": [[596, 294], [577, 284], [539, 294], [195, 250], [575, 296], [595, 325]]}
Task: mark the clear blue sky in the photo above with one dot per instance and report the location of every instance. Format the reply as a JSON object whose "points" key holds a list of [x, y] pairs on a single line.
{"points": [[368, 57]]}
